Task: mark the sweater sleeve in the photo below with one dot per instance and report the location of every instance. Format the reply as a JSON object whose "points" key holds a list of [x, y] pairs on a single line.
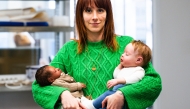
{"points": [[46, 96], [144, 93]]}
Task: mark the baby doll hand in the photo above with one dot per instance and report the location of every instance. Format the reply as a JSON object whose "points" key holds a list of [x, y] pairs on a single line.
{"points": [[111, 83], [83, 85]]}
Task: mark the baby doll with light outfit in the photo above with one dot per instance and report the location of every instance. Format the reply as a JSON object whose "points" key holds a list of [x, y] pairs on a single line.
{"points": [[130, 70], [48, 75]]}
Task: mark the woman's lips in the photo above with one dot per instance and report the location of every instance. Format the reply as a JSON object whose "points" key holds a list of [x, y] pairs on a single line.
{"points": [[94, 24]]}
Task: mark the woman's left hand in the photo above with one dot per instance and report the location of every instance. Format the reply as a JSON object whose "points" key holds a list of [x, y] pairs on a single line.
{"points": [[114, 101]]}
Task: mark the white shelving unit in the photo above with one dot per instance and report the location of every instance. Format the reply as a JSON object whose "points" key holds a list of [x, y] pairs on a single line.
{"points": [[33, 29], [36, 29], [22, 97]]}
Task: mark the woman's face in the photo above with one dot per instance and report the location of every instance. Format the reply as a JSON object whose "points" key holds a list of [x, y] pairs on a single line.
{"points": [[94, 19]]}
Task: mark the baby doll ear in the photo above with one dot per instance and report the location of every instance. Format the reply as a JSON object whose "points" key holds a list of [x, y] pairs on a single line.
{"points": [[139, 60], [50, 79]]}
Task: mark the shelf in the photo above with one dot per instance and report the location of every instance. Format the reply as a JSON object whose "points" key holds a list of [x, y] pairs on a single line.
{"points": [[20, 48], [23, 88], [3, 88], [36, 29], [36, 0]]}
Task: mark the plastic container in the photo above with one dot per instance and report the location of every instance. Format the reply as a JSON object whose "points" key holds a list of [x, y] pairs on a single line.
{"points": [[31, 71]]}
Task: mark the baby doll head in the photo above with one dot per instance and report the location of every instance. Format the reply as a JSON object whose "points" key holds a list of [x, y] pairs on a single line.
{"points": [[46, 75], [136, 54]]}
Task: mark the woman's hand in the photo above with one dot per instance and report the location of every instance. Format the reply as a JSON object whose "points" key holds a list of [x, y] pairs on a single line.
{"points": [[114, 101], [70, 102]]}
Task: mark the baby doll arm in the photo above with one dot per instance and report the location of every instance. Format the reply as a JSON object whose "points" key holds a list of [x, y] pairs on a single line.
{"points": [[74, 86], [114, 82]]}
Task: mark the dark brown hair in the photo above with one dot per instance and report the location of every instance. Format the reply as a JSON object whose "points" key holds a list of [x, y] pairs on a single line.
{"points": [[109, 32], [42, 75], [142, 50]]}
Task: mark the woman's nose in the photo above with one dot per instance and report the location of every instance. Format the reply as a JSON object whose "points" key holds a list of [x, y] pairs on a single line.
{"points": [[94, 17]]}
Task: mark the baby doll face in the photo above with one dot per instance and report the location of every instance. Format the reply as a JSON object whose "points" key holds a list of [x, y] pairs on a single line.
{"points": [[55, 72], [129, 57]]}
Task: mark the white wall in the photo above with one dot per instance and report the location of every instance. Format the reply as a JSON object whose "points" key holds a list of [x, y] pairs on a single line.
{"points": [[171, 52]]}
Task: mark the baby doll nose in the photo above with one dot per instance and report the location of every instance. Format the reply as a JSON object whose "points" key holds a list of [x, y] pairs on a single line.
{"points": [[57, 69]]}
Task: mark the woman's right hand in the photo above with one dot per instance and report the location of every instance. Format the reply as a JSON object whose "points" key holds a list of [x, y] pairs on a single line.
{"points": [[70, 102]]}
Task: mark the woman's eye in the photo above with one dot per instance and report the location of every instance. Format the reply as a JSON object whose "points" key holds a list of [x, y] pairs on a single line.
{"points": [[100, 10], [88, 10]]}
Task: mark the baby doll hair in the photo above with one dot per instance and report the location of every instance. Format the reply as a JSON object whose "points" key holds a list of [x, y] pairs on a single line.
{"points": [[142, 50], [42, 76]]}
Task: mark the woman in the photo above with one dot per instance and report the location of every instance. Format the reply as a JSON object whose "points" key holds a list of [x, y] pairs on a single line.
{"points": [[91, 59]]}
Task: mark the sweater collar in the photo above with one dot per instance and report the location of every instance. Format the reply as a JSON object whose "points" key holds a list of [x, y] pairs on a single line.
{"points": [[98, 44]]}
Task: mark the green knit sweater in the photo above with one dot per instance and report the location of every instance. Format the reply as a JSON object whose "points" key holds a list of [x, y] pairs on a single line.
{"points": [[98, 56]]}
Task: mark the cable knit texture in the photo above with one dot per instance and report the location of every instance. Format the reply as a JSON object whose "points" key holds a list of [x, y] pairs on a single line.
{"points": [[139, 95]]}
